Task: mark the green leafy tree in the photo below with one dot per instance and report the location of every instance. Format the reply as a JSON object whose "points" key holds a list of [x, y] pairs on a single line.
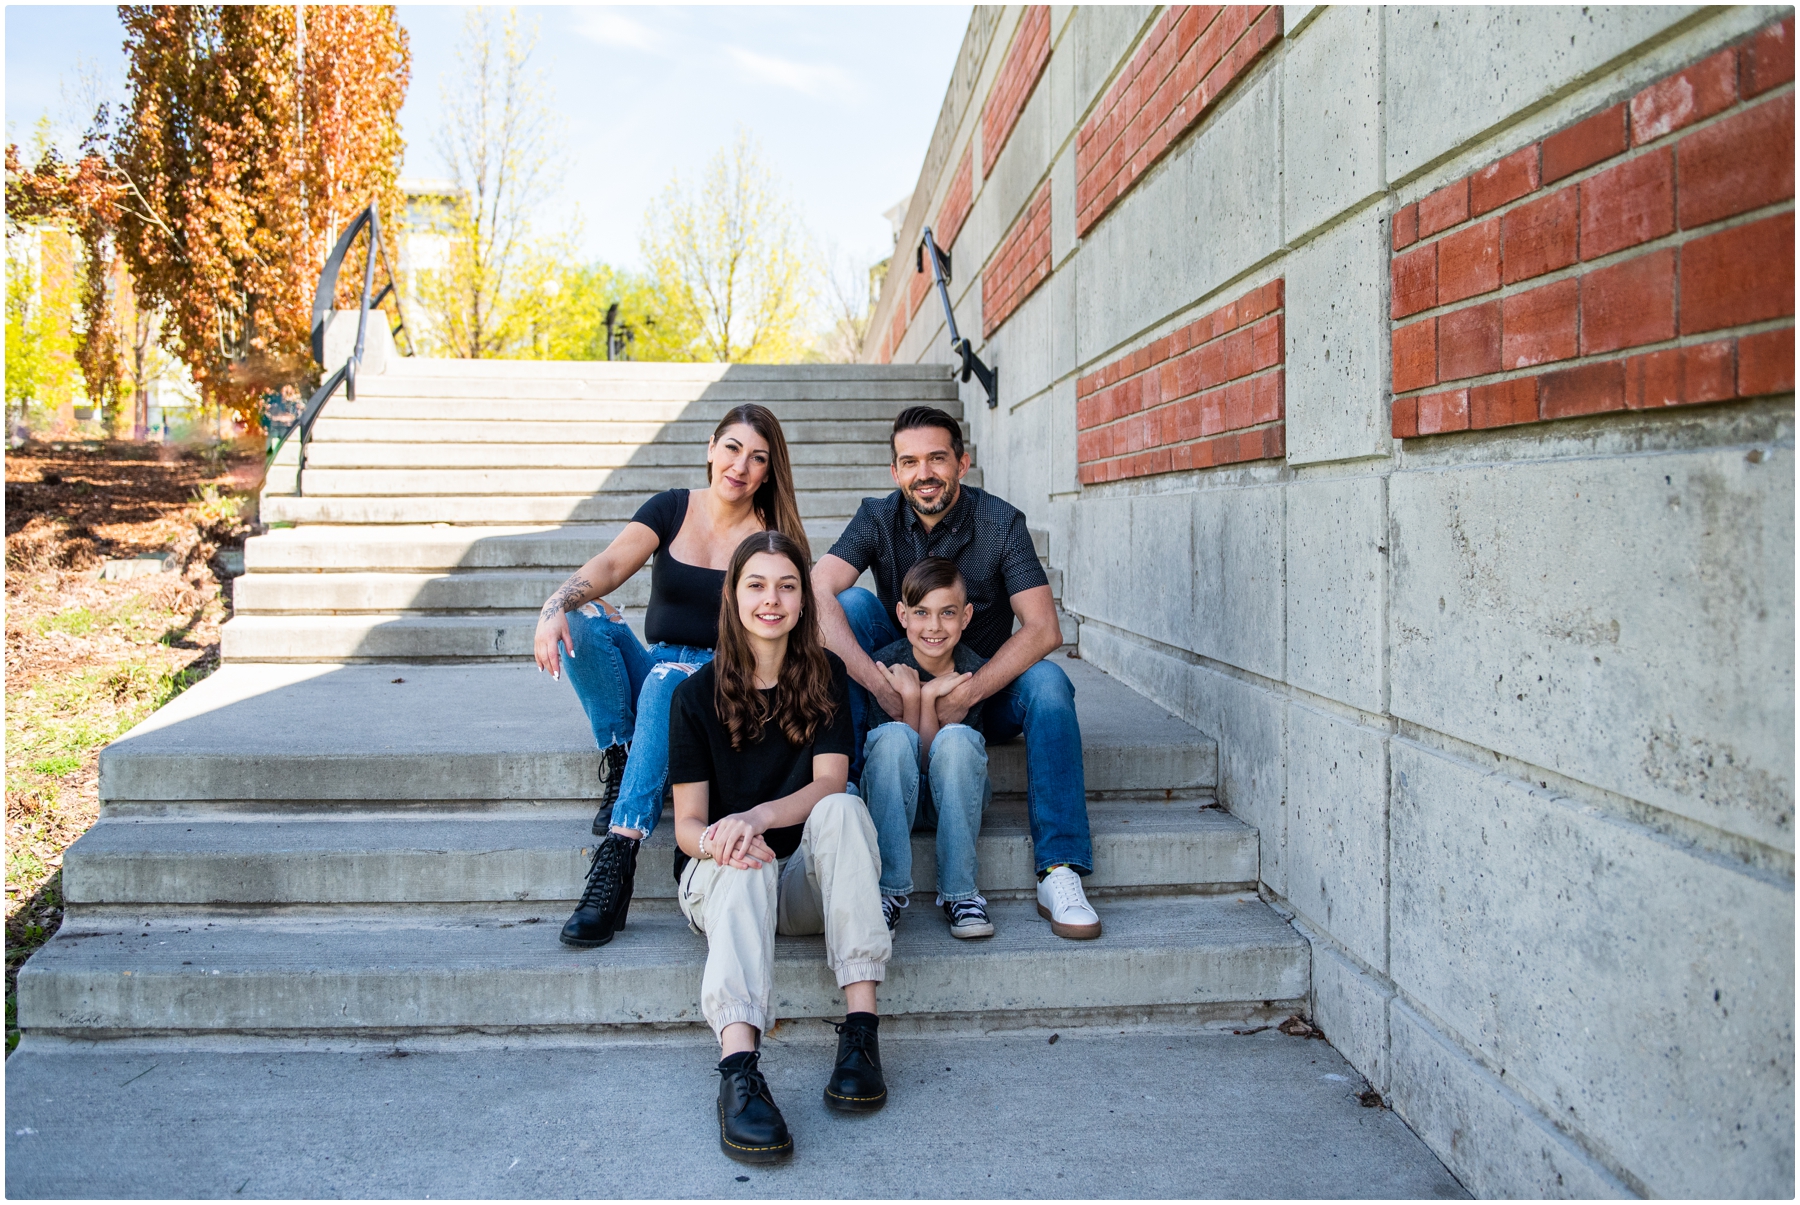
{"points": [[566, 306], [735, 272]]}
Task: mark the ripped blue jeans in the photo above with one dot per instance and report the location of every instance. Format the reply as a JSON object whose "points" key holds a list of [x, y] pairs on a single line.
{"points": [[626, 690]]}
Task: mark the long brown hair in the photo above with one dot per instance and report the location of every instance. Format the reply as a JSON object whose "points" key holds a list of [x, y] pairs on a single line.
{"points": [[774, 500], [802, 702]]}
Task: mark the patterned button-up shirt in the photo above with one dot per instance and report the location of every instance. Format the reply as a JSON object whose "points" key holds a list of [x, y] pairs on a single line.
{"points": [[984, 535]]}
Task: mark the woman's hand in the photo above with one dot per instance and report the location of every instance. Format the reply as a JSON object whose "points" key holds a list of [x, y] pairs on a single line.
{"points": [[553, 625], [737, 841]]}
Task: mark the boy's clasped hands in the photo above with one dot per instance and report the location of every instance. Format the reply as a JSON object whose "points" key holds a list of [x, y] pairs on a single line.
{"points": [[916, 696]]}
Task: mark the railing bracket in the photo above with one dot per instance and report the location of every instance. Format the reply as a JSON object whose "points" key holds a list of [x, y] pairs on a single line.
{"points": [[971, 365]]}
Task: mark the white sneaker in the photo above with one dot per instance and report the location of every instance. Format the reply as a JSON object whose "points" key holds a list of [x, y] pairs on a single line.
{"points": [[1063, 903]]}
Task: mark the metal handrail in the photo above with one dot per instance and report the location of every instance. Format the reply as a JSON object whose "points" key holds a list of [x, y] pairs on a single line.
{"points": [[971, 363], [324, 301]]}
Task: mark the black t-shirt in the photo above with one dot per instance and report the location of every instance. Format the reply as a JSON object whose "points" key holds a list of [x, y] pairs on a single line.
{"points": [[684, 599], [739, 779]]}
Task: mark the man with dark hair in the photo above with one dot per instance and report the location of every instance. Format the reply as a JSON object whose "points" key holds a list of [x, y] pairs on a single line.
{"points": [[933, 514]]}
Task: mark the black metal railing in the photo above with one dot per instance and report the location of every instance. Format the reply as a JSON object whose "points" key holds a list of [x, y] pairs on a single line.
{"points": [[971, 363], [324, 304]]}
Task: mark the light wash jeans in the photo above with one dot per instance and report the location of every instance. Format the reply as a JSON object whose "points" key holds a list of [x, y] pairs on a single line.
{"points": [[955, 794], [626, 690], [1041, 704]]}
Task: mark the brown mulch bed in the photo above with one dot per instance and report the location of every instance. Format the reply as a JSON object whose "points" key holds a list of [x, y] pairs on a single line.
{"points": [[86, 658]]}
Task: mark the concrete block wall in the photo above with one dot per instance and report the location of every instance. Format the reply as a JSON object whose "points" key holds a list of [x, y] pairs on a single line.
{"points": [[1505, 685]]}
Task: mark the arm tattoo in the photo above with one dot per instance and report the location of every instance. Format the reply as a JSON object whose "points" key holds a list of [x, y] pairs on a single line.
{"points": [[568, 596]]}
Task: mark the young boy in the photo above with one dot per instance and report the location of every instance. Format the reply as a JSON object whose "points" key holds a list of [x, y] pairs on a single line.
{"points": [[918, 771]]}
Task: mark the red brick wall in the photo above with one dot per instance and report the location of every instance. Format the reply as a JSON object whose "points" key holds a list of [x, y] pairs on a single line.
{"points": [[1189, 59], [1211, 393], [1020, 264], [1662, 228], [1012, 87], [951, 216], [955, 209]]}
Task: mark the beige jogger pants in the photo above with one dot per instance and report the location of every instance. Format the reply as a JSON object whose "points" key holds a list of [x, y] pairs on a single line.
{"points": [[830, 885]]}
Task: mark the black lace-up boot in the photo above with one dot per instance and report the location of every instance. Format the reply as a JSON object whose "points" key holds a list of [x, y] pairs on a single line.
{"points": [[751, 1128], [607, 896], [856, 1085], [612, 773]]}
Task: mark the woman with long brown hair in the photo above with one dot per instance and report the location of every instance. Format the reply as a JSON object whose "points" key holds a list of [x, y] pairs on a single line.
{"points": [[624, 687], [768, 840]]}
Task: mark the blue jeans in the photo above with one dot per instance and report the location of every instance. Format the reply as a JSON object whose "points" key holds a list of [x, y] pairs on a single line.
{"points": [[1039, 703], [626, 690], [956, 794]]}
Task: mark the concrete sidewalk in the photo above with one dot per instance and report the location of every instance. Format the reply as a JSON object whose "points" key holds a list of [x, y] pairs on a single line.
{"points": [[1146, 1113]]}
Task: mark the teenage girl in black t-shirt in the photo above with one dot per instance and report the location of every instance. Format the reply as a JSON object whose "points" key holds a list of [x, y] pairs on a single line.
{"points": [[625, 688], [759, 752]]}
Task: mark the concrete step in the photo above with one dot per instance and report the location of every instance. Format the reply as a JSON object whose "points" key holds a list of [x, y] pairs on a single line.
{"points": [[411, 548], [638, 481], [285, 631], [501, 1118], [511, 510], [464, 591], [639, 388], [548, 404], [500, 453], [258, 859], [483, 736], [333, 426], [402, 369], [322, 548], [386, 636], [407, 970], [401, 637]]}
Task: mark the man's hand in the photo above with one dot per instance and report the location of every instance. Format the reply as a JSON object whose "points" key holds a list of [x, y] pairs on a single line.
{"points": [[937, 688], [887, 694], [959, 700]]}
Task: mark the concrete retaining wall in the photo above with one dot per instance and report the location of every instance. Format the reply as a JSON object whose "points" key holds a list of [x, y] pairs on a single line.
{"points": [[1512, 708]]}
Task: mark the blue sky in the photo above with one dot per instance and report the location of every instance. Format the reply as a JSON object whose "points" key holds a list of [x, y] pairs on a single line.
{"points": [[842, 98]]}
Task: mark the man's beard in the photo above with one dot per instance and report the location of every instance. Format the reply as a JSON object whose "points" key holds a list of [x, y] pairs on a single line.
{"points": [[945, 497]]}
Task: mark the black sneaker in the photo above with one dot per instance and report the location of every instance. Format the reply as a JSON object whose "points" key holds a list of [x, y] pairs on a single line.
{"points": [[612, 773], [968, 918], [856, 1085], [607, 896], [890, 909], [751, 1128]]}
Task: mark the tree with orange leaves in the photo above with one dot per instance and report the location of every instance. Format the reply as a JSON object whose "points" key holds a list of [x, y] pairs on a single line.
{"points": [[254, 134]]}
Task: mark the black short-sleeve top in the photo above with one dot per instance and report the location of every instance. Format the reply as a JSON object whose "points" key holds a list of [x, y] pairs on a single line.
{"points": [[739, 779], [986, 537], [684, 598]]}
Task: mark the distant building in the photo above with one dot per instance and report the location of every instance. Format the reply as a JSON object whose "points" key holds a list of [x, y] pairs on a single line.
{"points": [[45, 391], [425, 238]]}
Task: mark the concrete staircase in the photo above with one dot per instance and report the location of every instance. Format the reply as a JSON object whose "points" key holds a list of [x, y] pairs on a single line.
{"points": [[374, 817]]}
